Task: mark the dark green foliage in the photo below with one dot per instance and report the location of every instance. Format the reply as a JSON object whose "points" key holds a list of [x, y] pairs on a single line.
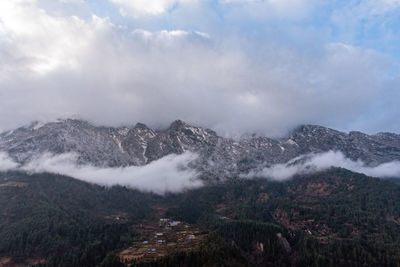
{"points": [[333, 218], [357, 216], [250, 236], [67, 222]]}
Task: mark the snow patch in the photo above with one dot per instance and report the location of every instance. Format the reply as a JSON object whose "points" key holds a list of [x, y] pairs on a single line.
{"points": [[123, 131], [38, 125], [119, 144], [291, 142]]}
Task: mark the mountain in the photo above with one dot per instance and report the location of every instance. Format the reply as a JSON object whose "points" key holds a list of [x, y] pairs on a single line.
{"points": [[58, 220], [330, 218], [140, 145]]}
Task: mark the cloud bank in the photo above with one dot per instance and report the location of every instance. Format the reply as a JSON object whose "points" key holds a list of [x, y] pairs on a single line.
{"points": [[168, 174], [211, 64], [173, 173], [138, 8], [6, 163], [318, 162]]}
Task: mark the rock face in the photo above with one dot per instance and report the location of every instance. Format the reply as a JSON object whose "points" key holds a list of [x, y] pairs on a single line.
{"points": [[139, 145]]}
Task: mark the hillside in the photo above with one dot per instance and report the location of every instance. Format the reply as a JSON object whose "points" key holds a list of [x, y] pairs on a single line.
{"points": [[64, 221], [332, 218]]}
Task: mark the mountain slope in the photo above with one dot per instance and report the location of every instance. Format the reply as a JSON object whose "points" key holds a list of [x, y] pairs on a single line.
{"points": [[64, 222], [331, 218], [139, 145]]}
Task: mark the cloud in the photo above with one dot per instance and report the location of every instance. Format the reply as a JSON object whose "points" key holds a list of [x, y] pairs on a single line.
{"points": [[318, 162], [368, 8], [374, 22], [138, 8], [168, 174], [224, 78], [173, 173], [6, 163], [269, 9], [35, 42]]}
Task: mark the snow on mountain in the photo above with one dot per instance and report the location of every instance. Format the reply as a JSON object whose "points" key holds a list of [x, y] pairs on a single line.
{"points": [[219, 156]]}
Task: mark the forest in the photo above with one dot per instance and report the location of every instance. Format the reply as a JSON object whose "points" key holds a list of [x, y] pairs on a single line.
{"points": [[331, 218]]}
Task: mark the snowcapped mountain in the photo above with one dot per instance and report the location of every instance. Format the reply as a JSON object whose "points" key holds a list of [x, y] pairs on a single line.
{"points": [[139, 145]]}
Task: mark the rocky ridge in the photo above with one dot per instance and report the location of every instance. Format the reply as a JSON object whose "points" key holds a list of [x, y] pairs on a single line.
{"points": [[140, 145]]}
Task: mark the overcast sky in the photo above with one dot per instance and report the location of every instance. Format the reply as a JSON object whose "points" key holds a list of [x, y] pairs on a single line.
{"points": [[235, 66]]}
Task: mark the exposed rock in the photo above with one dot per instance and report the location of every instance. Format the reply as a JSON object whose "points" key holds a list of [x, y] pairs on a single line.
{"points": [[219, 156]]}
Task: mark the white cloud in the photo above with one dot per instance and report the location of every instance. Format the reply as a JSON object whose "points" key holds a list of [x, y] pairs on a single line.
{"points": [[58, 66], [365, 15], [72, 1], [38, 42], [379, 7], [259, 8], [317, 162], [290, 9], [138, 8], [168, 174], [239, 1], [6, 163], [173, 173]]}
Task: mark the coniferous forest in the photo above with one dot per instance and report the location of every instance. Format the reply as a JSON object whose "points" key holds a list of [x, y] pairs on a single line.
{"points": [[331, 218]]}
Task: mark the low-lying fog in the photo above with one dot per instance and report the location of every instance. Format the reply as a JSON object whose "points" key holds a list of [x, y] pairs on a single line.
{"points": [[173, 173]]}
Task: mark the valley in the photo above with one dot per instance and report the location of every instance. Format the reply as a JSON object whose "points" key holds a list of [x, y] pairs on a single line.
{"points": [[332, 218], [329, 217]]}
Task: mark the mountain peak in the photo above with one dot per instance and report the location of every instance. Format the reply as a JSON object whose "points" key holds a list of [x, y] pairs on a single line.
{"points": [[108, 146], [140, 125], [310, 129], [178, 124]]}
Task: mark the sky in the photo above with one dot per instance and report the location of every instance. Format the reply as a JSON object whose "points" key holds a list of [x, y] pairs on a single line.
{"points": [[236, 66]]}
